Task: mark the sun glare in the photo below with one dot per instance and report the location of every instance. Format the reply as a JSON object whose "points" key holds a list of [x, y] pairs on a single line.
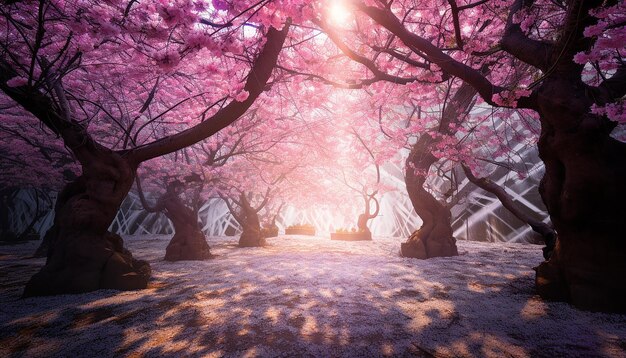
{"points": [[338, 13]]}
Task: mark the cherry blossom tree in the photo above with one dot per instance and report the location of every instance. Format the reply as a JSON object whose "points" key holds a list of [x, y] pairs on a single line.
{"points": [[188, 242], [62, 62], [189, 177], [247, 215], [560, 60], [247, 187], [198, 66], [368, 191]]}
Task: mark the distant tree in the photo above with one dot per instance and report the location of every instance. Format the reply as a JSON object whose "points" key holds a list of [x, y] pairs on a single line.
{"points": [[76, 68]]}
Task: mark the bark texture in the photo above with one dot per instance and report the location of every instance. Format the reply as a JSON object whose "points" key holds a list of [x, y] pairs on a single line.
{"points": [[434, 238], [84, 255], [188, 242], [251, 235], [583, 186], [583, 189]]}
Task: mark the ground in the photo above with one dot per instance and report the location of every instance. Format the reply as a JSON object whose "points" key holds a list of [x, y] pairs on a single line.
{"points": [[307, 296]]}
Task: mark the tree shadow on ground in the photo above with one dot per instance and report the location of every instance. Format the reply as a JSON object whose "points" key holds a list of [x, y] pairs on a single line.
{"points": [[337, 302]]}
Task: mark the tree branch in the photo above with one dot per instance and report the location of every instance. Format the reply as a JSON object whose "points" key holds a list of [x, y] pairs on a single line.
{"points": [[232, 211], [375, 213], [456, 23], [369, 64], [516, 43], [546, 232], [434, 54], [612, 89], [42, 107], [265, 200], [147, 207], [255, 85], [402, 57]]}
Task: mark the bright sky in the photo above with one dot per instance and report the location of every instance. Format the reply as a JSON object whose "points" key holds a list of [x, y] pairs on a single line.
{"points": [[338, 13]]}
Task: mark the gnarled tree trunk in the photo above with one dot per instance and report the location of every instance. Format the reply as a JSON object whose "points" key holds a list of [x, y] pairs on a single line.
{"points": [[248, 218], [251, 235], [583, 189], [367, 216], [84, 255], [434, 238], [188, 242]]}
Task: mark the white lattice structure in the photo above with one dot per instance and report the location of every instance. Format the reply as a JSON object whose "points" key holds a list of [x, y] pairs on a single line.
{"points": [[479, 216], [20, 212], [482, 217]]}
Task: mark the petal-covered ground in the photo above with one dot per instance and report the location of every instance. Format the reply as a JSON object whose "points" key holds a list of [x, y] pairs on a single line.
{"points": [[307, 296]]}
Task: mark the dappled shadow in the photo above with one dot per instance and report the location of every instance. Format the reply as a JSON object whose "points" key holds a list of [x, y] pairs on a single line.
{"points": [[484, 304], [313, 297]]}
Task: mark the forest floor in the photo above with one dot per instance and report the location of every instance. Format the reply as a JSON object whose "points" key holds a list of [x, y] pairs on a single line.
{"points": [[307, 296]]}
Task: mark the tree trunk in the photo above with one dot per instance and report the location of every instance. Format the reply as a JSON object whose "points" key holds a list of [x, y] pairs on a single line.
{"points": [[367, 216], [583, 189], [251, 235], [188, 242], [362, 223], [434, 238], [46, 242], [85, 256]]}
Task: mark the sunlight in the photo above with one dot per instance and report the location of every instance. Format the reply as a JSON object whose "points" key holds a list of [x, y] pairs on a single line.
{"points": [[338, 13]]}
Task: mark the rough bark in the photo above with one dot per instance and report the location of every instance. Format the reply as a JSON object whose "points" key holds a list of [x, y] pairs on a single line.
{"points": [[85, 256], [188, 242], [251, 234], [583, 186], [547, 233], [434, 238], [583, 189]]}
